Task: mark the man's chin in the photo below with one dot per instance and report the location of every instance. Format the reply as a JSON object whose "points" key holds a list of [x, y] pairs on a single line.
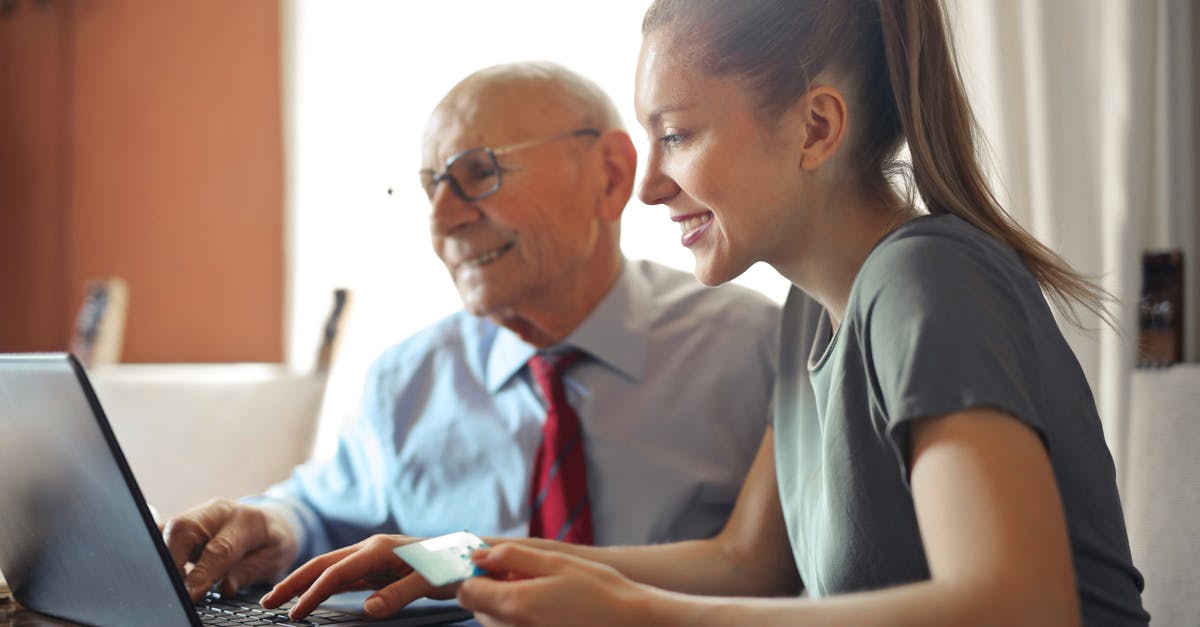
{"points": [[483, 306]]}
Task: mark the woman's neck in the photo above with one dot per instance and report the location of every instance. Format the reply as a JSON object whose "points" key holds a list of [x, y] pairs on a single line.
{"points": [[840, 236]]}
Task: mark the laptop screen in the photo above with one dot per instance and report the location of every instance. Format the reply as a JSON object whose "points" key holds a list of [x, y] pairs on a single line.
{"points": [[76, 539]]}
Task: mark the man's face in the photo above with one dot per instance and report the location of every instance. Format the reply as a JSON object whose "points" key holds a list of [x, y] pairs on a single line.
{"points": [[530, 240]]}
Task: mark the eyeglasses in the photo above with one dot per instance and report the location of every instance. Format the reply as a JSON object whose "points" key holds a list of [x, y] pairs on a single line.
{"points": [[474, 174]]}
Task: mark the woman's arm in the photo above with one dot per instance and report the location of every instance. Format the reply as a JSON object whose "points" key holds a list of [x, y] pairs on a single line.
{"points": [[991, 521], [751, 556]]}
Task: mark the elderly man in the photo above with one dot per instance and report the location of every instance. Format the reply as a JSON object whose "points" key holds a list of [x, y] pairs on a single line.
{"points": [[552, 405]]}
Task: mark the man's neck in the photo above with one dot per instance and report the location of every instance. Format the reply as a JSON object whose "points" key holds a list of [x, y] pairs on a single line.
{"points": [[548, 321]]}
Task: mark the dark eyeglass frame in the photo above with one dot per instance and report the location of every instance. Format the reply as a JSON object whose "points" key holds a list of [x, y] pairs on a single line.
{"points": [[434, 178]]}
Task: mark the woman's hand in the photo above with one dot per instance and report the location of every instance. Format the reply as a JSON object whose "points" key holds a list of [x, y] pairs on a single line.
{"points": [[530, 587], [369, 565]]}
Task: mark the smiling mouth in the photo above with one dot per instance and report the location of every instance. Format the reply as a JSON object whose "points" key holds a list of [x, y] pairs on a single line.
{"points": [[694, 222], [488, 257]]}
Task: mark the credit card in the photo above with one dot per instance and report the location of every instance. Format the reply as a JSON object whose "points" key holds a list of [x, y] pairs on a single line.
{"points": [[444, 559]]}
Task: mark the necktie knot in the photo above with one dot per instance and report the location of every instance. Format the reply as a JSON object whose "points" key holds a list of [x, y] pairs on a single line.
{"points": [[555, 363], [548, 369]]}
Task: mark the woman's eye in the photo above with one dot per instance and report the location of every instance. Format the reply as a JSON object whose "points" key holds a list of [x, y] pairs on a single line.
{"points": [[673, 139]]}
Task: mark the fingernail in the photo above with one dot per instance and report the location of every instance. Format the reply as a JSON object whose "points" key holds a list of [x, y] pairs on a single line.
{"points": [[373, 606]]}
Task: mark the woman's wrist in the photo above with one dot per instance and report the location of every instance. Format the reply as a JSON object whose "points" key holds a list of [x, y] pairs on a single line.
{"points": [[654, 607]]}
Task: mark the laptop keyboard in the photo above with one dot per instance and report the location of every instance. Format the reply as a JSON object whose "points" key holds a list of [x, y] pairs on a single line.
{"points": [[218, 611]]}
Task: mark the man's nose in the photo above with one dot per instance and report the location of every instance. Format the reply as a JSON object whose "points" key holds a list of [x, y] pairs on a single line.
{"points": [[449, 211]]}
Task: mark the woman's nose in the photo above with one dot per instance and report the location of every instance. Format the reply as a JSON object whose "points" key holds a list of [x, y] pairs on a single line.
{"points": [[656, 188]]}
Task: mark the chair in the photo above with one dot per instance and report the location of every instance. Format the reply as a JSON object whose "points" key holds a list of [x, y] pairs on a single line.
{"points": [[1162, 490]]}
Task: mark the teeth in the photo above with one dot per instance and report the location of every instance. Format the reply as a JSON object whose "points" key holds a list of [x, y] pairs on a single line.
{"points": [[488, 257], [692, 224]]}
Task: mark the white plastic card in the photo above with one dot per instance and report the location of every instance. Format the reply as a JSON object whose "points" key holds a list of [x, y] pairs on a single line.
{"points": [[444, 559]]}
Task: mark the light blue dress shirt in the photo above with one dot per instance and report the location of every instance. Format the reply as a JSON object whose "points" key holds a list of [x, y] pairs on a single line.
{"points": [[674, 398]]}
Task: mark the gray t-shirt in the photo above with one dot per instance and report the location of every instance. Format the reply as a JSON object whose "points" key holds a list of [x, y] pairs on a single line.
{"points": [[941, 318]]}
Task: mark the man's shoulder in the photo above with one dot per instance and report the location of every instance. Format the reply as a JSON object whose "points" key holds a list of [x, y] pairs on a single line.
{"points": [[677, 295], [458, 335]]}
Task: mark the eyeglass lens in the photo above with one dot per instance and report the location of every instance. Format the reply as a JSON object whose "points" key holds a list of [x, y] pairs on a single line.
{"points": [[473, 174]]}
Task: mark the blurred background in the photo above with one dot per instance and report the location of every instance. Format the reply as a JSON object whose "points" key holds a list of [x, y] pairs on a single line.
{"points": [[229, 162], [200, 177]]}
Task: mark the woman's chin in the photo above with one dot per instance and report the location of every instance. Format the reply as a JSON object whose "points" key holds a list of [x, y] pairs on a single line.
{"points": [[713, 274]]}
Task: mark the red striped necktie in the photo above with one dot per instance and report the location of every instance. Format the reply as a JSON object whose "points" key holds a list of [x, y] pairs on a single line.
{"points": [[559, 506]]}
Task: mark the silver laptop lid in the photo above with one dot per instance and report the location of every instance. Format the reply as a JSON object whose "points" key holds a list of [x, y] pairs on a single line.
{"points": [[76, 538]]}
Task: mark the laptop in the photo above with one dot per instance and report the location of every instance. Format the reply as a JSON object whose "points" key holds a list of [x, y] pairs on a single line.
{"points": [[78, 542]]}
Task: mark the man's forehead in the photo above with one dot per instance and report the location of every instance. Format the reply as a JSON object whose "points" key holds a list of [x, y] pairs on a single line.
{"points": [[494, 115]]}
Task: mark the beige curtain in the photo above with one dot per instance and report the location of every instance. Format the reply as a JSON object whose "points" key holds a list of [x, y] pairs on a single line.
{"points": [[1087, 107]]}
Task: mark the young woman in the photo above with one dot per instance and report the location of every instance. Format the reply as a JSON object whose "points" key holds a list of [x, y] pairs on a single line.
{"points": [[935, 457]]}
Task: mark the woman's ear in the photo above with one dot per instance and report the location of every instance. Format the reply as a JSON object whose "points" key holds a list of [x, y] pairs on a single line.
{"points": [[821, 114], [619, 159]]}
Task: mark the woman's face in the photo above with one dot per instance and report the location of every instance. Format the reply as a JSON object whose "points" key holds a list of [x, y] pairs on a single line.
{"points": [[729, 177]]}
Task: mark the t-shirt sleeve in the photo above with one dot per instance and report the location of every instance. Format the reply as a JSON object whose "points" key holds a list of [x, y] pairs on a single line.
{"points": [[948, 329]]}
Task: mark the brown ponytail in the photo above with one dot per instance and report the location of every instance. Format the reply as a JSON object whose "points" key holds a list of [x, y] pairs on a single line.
{"points": [[904, 78], [940, 131]]}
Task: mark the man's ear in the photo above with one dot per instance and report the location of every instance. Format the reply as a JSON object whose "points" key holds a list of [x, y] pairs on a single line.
{"points": [[620, 166], [822, 115]]}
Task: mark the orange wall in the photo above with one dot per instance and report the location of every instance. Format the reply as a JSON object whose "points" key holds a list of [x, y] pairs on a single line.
{"points": [[170, 176], [33, 308]]}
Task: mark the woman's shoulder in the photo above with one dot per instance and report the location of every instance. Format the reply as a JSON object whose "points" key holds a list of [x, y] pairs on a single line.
{"points": [[937, 261], [939, 245]]}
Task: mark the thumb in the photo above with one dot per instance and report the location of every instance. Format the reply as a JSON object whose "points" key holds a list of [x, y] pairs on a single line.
{"points": [[392, 598], [260, 566], [519, 562]]}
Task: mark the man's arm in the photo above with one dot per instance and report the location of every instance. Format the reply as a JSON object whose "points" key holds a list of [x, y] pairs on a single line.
{"points": [[323, 504]]}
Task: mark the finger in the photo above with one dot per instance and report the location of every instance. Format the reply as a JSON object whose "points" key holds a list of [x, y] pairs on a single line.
{"points": [[523, 561], [483, 595], [256, 567], [183, 536], [187, 535], [372, 557], [487, 620], [224, 550], [302, 578], [393, 598]]}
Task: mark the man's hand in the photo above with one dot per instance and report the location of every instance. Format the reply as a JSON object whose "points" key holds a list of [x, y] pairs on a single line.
{"points": [[238, 545], [369, 565]]}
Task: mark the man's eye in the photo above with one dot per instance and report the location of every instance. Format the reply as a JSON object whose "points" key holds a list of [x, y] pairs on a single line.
{"points": [[480, 171]]}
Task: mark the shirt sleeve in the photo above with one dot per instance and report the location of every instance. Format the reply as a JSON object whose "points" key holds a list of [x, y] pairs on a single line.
{"points": [[948, 329], [339, 501]]}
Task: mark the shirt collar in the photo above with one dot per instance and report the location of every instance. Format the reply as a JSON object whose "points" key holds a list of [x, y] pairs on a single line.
{"points": [[615, 333]]}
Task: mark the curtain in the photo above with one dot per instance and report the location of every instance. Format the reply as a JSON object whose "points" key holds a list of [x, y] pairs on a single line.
{"points": [[1089, 112], [1086, 107]]}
